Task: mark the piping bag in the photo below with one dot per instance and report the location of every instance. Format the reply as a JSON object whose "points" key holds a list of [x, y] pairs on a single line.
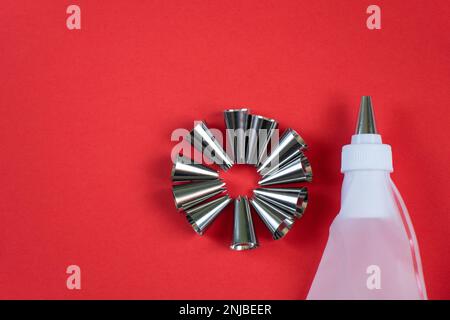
{"points": [[372, 250]]}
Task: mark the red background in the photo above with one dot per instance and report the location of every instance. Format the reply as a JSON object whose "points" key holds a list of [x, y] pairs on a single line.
{"points": [[86, 118]]}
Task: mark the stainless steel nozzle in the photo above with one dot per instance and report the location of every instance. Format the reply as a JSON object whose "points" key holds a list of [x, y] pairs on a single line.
{"points": [[199, 200], [366, 117], [244, 237], [202, 216], [185, 169], [275, 220], [289, 143], [297, 154], [236, 125], [203, 140], [298, 171], [185, 194], [291, 200], [260, 132]]}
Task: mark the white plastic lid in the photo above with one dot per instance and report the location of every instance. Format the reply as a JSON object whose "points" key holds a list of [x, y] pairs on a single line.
{"points": [[366, 152]]}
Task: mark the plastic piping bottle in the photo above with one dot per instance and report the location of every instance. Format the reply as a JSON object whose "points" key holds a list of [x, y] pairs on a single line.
{"points": [[372, 250]]}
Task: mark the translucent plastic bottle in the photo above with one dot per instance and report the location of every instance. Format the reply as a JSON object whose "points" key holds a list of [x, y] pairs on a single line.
{"points": [[372, 251]]}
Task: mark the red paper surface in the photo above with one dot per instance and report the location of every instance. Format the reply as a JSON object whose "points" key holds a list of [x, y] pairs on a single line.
{"points": [[86, 117]]}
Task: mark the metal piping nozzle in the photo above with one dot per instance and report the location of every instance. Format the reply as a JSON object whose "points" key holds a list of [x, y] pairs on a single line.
{"points": [[185, 169], [366, 119], [298, 171], [297, 154], [236, 125], [199, 200], [260, 132], [202, 216], [244, 237], [275, 220], [291, 200], [202, 138], [184, 194], [289, 143]]}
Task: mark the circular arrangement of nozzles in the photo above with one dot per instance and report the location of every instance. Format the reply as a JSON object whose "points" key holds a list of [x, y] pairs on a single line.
{"points": [[201, 194]]}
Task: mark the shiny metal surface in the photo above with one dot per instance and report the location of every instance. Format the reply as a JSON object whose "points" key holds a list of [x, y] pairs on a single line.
{"points": [[366, 119], [297, 154], [236, 125], [196, 201], [297, 171], [195, 184], [244, 237], [288, 144], [184, 194], [291, 200], [184, 169], [203, 140], [276, 221], [259, 133], [202, 216]]}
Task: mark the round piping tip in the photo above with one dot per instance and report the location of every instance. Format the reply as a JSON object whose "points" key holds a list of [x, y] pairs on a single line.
{"points": [[201, 217], [298, 170], [260, 131], [184, 194], [277, 221], [291, 200], [185, 169], [244, 237], [202, 138], [366, 118], [289, 143]]}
